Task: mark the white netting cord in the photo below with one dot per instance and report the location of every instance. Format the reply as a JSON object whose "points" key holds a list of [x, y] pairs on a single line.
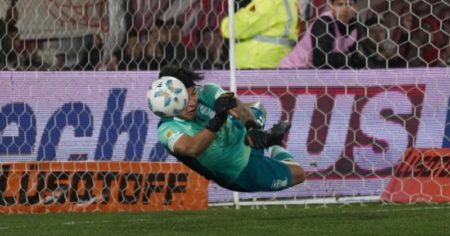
{"points": [[338, 122], [143, 35]]}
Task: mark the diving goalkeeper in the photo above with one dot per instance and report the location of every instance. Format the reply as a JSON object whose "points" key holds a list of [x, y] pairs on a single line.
{"points": [[220, 138]]}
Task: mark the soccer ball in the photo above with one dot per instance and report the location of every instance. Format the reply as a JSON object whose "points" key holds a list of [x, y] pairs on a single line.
{"points": [[167, 97]]}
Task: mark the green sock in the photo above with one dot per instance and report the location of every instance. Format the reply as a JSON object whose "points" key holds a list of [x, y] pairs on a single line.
{"points": [[279, 153]]}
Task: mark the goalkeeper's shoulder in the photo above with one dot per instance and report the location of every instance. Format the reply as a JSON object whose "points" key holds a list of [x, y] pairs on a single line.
{"points": [[211, 86], [169, 124], [212, 90]]}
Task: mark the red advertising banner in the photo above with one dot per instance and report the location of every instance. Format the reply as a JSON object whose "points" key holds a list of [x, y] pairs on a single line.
{"points": [[349, 127], [99, 186], [421, 176]]}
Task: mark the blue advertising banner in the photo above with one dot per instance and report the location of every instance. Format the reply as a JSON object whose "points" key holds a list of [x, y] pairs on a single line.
{"points": [[349, 128]]}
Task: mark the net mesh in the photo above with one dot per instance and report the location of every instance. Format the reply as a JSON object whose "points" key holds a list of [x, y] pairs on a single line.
{"points": [[359, 131], [145, 35]]}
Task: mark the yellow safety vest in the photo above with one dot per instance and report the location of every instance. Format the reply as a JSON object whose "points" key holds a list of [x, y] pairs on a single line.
{"points": [[265, 30]]}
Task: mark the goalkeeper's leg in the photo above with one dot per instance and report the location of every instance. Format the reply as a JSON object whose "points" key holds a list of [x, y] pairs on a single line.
{"points": [[279, 153], [297, 172]]}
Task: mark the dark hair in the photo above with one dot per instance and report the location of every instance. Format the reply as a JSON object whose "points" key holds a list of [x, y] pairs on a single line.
{"points": [[185, 75], [133, 33], [159, 23], [170, 23], [12, 28]]}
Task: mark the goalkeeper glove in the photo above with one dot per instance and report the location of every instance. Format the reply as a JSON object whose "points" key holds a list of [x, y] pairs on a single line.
{"points": [[223, 103], [257, 138]]}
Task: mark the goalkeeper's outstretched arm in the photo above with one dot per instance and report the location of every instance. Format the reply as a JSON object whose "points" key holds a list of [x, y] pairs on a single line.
{"points": [[243, 112]]}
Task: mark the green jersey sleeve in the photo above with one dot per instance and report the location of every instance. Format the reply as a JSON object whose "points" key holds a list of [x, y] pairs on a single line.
{"points": [[209, 93], [169, 132]]}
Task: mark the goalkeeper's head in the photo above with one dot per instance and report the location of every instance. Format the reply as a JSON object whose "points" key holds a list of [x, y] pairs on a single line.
{"points": [[185, 75], [188, 78]]}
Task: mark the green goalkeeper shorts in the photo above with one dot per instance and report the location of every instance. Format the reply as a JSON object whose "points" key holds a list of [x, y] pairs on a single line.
{"points": [[262, 174]]}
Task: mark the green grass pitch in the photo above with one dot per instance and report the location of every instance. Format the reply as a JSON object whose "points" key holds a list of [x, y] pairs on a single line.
{"points": [[348, 219]]}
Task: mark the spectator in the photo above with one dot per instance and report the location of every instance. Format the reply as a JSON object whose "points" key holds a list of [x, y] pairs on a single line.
{"points": [[265, 31], [402, 35], [92, 53], [445, 56], [113, 61], [378, 50], [211, 50], [430, 52], [445, 50], [60, 62], [5, 45], [153, 49], [331, 41], [133, 54], [173, 49], [29, 57], [22, 55], [9, 38], [14, 48], [427, 39], [425, 42]]}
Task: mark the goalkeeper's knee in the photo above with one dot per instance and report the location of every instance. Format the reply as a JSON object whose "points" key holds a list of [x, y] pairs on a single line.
{"points": [[298, 173]]}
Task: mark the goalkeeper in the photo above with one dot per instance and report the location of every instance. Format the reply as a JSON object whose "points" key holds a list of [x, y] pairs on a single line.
{"points": [[220, 138]]}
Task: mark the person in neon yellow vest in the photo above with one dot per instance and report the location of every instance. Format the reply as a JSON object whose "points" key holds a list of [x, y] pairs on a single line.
{"points": [[265, 31]]}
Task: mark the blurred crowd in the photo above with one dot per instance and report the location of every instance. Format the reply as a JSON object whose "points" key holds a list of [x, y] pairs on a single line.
{"points": [[391, 34]]}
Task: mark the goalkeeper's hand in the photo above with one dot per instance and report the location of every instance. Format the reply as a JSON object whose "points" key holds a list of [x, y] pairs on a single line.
{"points": [[256, 138], [222, 105]]}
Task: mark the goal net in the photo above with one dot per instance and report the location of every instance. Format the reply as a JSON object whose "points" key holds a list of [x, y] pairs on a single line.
{"points": [[369, 117]]}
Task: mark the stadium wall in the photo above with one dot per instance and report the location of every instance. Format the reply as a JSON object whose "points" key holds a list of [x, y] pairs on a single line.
{"points": [[349, 130]]}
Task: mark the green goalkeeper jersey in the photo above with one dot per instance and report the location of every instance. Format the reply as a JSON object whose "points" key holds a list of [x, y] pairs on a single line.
{"points": [[226, 156]]}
